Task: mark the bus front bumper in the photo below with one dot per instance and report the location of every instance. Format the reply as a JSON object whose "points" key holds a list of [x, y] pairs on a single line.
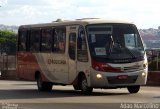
{"points": [[116, 80]]}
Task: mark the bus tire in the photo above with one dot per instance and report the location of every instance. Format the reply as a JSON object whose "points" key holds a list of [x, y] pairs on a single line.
{"points": [[43, 86], [84, 86], [76, 87], [133, 89]]}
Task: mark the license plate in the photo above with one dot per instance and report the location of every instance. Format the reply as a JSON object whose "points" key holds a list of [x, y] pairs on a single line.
{"points": [[122, 77]]}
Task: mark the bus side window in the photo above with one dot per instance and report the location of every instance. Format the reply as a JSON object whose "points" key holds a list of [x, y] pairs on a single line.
{"points": [[82, 46], [59, 40], [72, 45], [22, 40], [46, 40], [34, 40]]}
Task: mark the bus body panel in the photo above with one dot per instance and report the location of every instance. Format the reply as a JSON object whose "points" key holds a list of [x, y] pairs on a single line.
{"points": [[27, 65], [54, 66]]}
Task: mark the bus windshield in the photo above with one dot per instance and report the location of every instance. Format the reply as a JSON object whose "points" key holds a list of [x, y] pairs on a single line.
{"points": [[116, 42]]}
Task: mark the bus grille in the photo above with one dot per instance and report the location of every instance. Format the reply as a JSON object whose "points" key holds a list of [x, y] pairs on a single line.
{"points": [[130, 69]]}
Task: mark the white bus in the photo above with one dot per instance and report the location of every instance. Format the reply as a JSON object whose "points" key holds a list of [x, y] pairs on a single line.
{"points": [[85, 53]]}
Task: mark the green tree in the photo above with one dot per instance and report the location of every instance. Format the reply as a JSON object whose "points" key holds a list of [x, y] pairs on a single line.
{"points": [[6, 35], [7, 41]]}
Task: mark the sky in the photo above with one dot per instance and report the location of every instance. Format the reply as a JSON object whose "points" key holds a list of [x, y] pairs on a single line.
{"points": [[144, 13]]}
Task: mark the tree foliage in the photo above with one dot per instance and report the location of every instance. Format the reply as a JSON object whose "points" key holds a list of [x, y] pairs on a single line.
{"points": [[7, 36], [7, 41]]}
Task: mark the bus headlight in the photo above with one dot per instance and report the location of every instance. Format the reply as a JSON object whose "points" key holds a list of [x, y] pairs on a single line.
{"points": [[99, 76]]}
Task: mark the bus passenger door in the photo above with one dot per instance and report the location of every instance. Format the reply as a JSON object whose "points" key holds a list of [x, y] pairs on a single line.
{"points": [[72, 56]]}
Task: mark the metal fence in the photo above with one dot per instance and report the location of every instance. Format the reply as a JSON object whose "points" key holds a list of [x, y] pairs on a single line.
{"points": [[7, 66], [153, 56]]}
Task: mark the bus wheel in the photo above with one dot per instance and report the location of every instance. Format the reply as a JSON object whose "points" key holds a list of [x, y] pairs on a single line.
{"points": [[133, 89], [84, 86], [43, 86]]}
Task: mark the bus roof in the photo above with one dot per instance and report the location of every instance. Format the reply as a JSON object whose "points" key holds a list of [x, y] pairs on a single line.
{"points": [[84, 21]]}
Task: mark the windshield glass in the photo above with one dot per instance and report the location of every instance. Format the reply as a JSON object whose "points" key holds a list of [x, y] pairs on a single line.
{"points": [[117, 42]]}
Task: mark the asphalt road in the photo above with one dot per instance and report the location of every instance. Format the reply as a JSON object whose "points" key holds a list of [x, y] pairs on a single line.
{"points": [[24, 95]]}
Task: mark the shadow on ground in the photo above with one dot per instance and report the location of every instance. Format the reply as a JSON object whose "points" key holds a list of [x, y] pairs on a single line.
{"points": [[33, 93]]}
